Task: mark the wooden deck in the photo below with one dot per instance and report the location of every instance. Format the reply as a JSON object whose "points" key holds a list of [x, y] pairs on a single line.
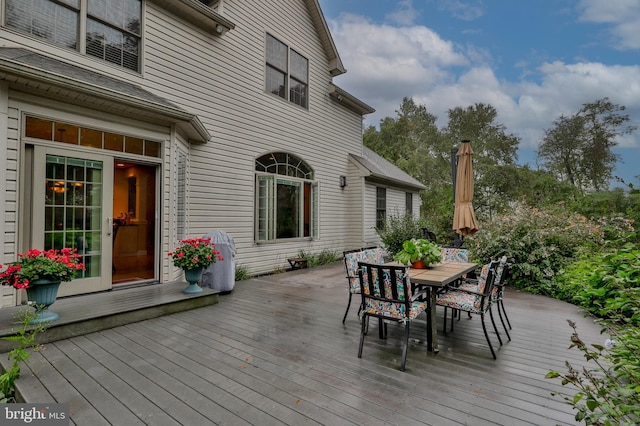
{"points": [[275, 352]]}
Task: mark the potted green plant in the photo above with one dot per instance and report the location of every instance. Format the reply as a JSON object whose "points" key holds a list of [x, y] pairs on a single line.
{"points": [[40, 273], [420, 253], [193, 256]]}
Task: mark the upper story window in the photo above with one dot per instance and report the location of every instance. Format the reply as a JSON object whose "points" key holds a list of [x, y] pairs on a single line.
{"points": [[113, 29], [287, 72]]}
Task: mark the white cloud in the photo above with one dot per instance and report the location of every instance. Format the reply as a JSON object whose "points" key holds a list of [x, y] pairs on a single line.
{"points": [[386, 63], [405, 14], [622, 15], [464, 10]]}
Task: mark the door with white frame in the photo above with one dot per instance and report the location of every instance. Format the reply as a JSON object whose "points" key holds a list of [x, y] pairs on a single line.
{"points": [[72, 206]]}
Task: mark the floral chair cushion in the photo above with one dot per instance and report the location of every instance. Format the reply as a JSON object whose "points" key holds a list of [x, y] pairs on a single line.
{"points": [[498, 289], [450, 254], [351, 260], [467, 301], [388, 308]]}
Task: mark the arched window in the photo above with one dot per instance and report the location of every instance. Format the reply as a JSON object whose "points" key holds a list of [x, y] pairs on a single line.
{"points": [[286, 198]]}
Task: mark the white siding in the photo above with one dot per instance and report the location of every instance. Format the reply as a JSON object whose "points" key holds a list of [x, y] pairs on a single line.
{"points": [[223, 80]]}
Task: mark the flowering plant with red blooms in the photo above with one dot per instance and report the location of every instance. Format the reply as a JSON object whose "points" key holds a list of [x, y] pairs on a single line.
{"points": [[55, 265], [194, 253]]}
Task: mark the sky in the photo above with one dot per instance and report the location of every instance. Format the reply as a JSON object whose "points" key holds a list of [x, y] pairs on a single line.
{"points": [[533, 61]]}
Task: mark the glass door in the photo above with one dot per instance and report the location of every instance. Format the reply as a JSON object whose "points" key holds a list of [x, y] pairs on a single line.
{"points": [[72, 208]]}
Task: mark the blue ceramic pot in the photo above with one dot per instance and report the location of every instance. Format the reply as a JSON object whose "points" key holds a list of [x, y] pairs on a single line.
{"points": [[43, 293], [193, 276]]}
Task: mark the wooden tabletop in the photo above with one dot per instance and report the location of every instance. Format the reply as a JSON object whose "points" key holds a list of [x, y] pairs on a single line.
{"points": [[440, 274]]}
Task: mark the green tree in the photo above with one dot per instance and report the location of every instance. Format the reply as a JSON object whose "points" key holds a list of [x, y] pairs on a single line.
{"points": [[578, 148], [494, 154]]}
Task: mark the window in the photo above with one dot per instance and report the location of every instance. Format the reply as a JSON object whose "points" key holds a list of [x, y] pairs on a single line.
{"points": [[408, 203], [113, 30], [381, 207], [58, 131], [286, 198], [287, 74]]}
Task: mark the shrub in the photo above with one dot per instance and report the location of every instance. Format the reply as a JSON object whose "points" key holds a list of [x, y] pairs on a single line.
{"points": [[242, 273], [399, 229], [540, 242], [26, 337], [608, 390], [606, 284], [323, 258]]}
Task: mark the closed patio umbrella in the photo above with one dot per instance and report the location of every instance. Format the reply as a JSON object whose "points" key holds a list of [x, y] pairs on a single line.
{"points": [[464, 218]]}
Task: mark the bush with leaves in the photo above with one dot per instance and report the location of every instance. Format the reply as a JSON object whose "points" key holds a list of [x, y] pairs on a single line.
{"points": [[606, 284], [323, 258], [608, 389], [398, 229], [540, 242], [26, 337]]}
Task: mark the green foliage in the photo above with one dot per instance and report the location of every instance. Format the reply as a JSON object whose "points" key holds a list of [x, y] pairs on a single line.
{"points": [[242, 273], [578, 148], [419, 249], [26, 337], [608, 389], [540, 242], [195, 253], [606, 284], [399, 229], [325, 257]]}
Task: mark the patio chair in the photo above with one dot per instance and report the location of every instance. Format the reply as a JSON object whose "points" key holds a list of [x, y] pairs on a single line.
{"points": [[503, 272], [387, 295], [475, 301], [351, 259], [455, 254]]}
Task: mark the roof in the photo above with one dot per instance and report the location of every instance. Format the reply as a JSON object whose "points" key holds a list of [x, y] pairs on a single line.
{"points": [[23, 66], [381, 170], [349, 100]]}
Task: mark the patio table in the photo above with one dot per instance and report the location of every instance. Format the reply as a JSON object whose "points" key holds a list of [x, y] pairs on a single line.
{"points": [[437, 276]]}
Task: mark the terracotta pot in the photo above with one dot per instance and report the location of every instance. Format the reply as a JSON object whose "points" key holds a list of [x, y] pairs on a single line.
{"points": [[419, 264]]}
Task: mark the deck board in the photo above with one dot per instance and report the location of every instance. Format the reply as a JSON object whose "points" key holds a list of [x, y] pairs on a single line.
{"points": [[275, 352]]}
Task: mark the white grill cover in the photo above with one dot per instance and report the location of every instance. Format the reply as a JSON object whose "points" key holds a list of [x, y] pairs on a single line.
{"points": [[221, 275]]}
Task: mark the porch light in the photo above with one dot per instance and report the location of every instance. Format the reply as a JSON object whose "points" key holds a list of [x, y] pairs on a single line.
{"points": [[343, 181]]}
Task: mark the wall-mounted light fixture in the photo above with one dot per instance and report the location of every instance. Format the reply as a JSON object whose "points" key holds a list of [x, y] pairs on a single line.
{"points": [[219, 29], [340, 98], [343, 181]]}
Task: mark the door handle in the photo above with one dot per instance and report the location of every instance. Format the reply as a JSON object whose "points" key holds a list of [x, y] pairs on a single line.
{"points": [[109, 225]]}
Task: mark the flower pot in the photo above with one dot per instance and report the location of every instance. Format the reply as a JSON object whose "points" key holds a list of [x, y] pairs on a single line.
{"points": [[419, 264], [193, 276], [43, 293]]}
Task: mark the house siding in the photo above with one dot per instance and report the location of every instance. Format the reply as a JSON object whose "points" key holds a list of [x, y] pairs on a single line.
{"points": [[223, 79]]}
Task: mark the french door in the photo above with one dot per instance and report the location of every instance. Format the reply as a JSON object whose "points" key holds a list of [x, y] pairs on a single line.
{"points": [[72, 207]]}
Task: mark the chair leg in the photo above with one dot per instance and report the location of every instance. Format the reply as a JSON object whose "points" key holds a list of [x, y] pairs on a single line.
{"points": [[365, 320], [493, 322], [501, 304], [444, 326], [502, 319], [486, 335], [347, 311], [405, 346]]}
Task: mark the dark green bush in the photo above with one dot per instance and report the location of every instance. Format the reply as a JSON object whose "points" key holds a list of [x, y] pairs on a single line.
{"points": [[399, 229], [540, 243], [606, 284]]}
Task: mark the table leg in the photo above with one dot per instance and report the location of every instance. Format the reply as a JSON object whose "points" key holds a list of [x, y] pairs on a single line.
{"points": [[432, 329]]}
